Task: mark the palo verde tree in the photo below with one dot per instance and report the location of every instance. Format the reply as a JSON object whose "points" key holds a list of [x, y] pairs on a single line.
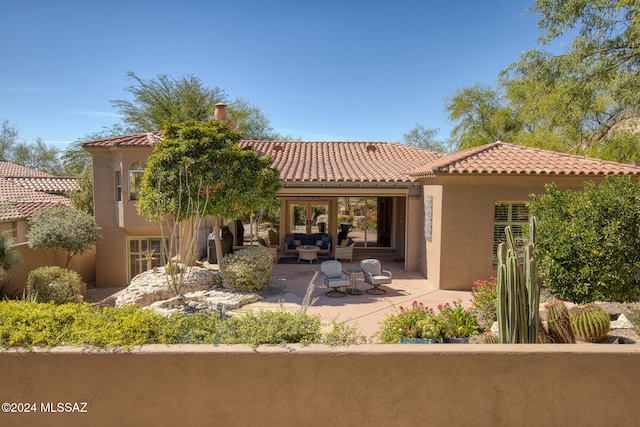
{"points": [[199, 169], [63, 227]]}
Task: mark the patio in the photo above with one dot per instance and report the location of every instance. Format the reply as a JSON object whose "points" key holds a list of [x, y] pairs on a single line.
{"points": [[290, 282]]}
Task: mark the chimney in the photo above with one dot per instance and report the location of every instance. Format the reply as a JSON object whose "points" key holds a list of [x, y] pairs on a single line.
{"points": [[220, 112]]}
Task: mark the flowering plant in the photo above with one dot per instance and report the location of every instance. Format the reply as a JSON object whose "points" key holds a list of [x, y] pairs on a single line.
{"points": [[417, 321], [457, 321], [484, 300]]}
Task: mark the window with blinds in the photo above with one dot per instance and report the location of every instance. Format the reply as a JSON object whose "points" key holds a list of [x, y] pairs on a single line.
{"points": [[143, 248], [515, 215]]}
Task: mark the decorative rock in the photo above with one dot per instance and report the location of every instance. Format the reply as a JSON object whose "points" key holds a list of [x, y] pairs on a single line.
{"points": [[153, 285], [622, 323], [211, 300]]}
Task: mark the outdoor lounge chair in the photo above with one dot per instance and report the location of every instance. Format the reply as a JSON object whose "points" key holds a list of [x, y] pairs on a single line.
{"points": [[373, 275], [345, 252], [272, 250], [335, 278]]}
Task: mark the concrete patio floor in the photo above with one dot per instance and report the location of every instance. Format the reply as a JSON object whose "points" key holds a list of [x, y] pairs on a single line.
{"points": [[290, 282]]}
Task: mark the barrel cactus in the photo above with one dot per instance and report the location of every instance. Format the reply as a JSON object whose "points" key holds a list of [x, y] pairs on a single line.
{"points": [[558, 323], [589, 322], [490, 338]]}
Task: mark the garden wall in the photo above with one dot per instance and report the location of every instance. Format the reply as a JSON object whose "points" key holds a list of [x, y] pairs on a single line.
{"points": [[360, 385], [84, 264]]}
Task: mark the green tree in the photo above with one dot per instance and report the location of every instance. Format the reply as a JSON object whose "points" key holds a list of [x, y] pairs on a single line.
{"points": [[482, 117], [593, 86], [8, 139], [588, 242], [63, 227], [200, 169], [37, 154], [83, 198], [9, 257], [422, 137], [164, 100]]}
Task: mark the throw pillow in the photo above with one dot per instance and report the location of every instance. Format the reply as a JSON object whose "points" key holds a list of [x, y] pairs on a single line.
{"points": [[297, 242], [318, 243]]}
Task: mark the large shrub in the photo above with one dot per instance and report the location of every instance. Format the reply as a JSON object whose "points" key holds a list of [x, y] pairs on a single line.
{"points": [[589, 241], [63, 227], [53, 284], [248, 270]]}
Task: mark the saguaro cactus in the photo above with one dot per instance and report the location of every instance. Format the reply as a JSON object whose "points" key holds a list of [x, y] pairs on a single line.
{"points": [[518, 291]]}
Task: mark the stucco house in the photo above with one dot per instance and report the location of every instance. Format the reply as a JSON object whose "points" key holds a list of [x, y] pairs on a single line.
{"points": [[440, 215]]}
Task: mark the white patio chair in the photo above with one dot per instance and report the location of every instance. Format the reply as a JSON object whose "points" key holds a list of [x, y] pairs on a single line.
{"points": [[344, 252], [335, 278], [373, 275]]}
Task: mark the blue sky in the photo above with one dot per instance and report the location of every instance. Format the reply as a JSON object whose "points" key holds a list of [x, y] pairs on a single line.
{"points": [[321, 70]]}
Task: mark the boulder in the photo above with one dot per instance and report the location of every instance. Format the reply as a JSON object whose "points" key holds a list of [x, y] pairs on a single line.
{"points": [[220, 300], [153, 285]]}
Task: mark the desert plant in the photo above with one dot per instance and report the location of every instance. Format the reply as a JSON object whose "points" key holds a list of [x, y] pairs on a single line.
{"points": [[248, 270], [457, 321], [490, 338], [558, 323], [589, 322], [484, 299], [401, 324], [54, 284], [430, 328], [518, 292]]}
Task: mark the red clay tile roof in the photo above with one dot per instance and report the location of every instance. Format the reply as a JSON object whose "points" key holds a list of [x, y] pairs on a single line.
{"points": [[148, 139], [8, 169], [343, 161], [18, 202], [317, 161], [53, 185], [505, 158], [37, 180]]}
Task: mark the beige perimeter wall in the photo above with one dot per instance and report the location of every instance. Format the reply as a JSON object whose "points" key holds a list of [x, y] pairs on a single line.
{"points": [[84, 264], [373, 385]]}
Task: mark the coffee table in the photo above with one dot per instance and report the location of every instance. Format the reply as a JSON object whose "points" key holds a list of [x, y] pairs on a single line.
{"points": [[307, 252]]}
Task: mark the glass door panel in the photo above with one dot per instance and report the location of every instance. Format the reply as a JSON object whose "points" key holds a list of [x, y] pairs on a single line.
{"points": [[309, 217], [319, 218], [298, 218]]}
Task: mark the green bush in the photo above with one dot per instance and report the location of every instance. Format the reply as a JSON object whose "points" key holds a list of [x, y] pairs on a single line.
{"points": [[53, 284], [274, 327], [31, 324], [588, 247], [248, 270]]}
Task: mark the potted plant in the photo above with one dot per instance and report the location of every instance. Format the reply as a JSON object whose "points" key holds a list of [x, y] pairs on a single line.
{"points": [[458, 322], [425, 331]]}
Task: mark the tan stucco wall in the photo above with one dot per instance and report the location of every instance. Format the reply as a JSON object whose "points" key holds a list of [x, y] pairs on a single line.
{"points": [[463, 252], [381, 385], [83, 264]]}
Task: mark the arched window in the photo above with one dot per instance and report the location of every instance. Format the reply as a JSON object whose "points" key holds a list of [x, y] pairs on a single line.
{"points": [[136, 169]]}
